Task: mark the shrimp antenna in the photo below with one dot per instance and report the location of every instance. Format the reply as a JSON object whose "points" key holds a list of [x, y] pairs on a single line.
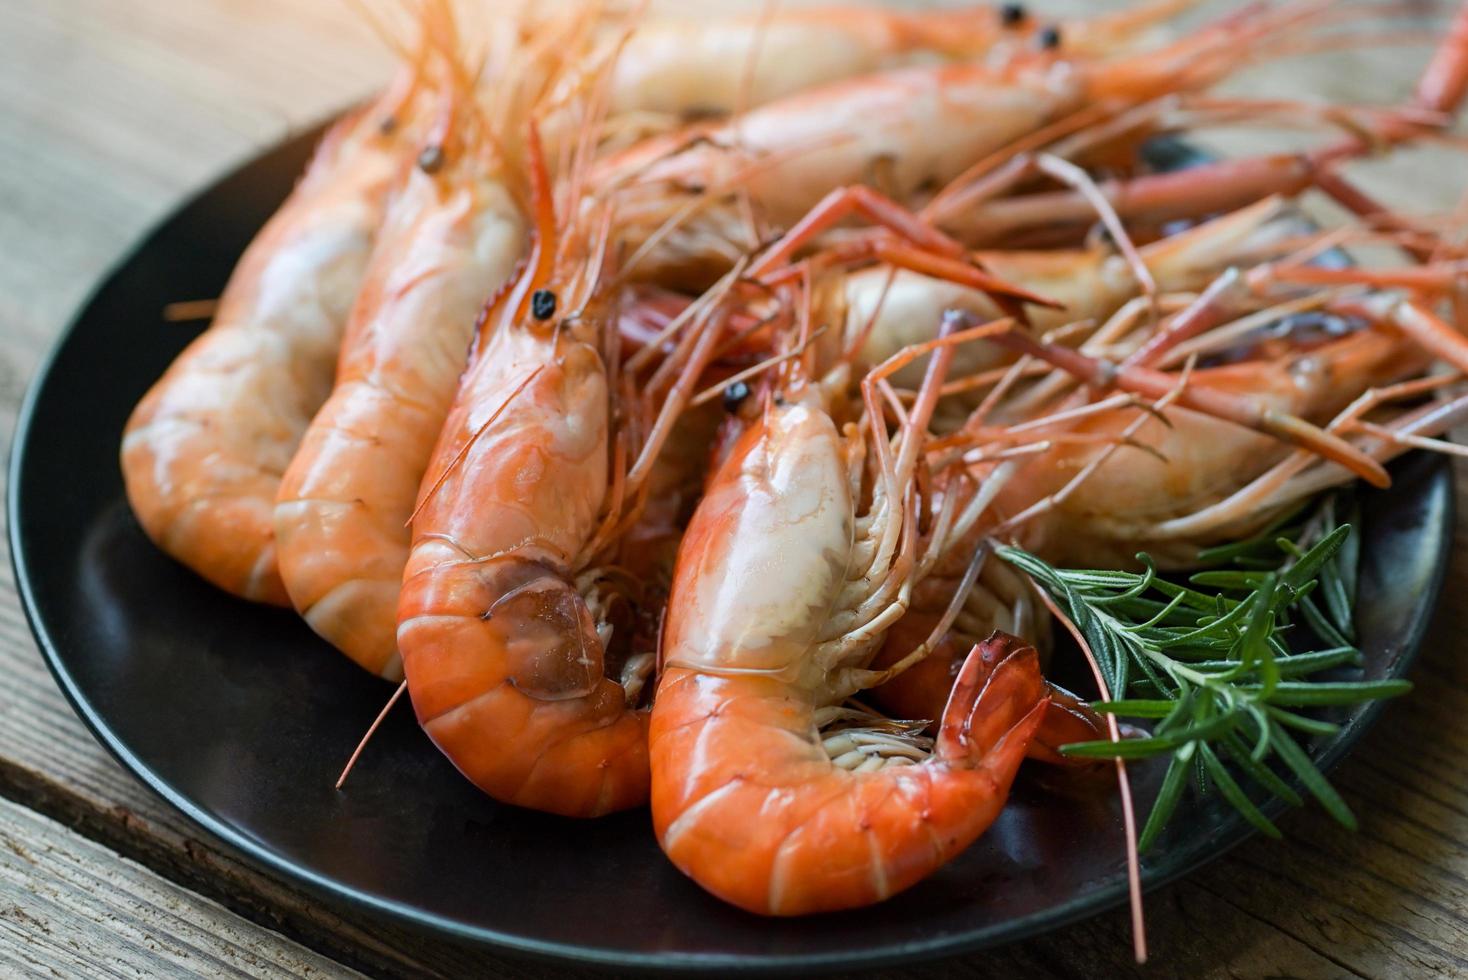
{"points": [[469, 444], [371, 730]]}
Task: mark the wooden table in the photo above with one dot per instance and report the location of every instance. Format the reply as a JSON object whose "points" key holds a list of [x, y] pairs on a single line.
{"points": [[111, 111]]}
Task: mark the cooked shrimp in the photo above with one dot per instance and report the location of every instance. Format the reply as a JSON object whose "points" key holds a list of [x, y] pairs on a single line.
{"points": [[782, 592], [453, 234], [203, 452], [500, 621], [708, 66], [904, 131], [883, 312], [1193, 459], [1116, 481]]}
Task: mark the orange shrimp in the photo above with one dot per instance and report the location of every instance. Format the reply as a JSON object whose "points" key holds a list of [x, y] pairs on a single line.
{"points": [[1193, 459], [881, 312], [708, 66], [904, 131], [204, 450], [453, 235], [1171, 483], [500, 626], [783, 590]]}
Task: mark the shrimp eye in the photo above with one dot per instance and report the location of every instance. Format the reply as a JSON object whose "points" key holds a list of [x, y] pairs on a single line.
{"points": [[543, 304], [1049, 38], [430, 161], [734, 396], [388, 125], [1012, 14]]}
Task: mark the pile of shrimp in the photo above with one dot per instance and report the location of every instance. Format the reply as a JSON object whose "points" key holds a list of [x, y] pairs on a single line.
{"points": [[647, 395]]}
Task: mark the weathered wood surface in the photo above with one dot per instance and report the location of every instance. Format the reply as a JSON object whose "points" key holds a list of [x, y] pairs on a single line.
{"points": [[70, 907], [111, 111]]}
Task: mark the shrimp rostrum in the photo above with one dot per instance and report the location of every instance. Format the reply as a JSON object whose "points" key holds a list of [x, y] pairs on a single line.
{"points": [[799, 557]]}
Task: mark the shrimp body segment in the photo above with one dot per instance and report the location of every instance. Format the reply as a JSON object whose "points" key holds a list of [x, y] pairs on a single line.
{"points": [[204, 450], [778, 598], [452, 238]]}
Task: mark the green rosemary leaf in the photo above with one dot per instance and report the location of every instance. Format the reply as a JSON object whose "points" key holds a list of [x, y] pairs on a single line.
{"points": [[1347, 563], [1308, 565], [1337, 605], [1299, 762], [1127, 748], [1310, 726], [1301, 664], [1136, 707], [1322, 625], [1257, 770], [1216, 665], [1234, 581], [1299, 694], [1209, 629], [1231, 792], [1167, 797], [1254, 646]]}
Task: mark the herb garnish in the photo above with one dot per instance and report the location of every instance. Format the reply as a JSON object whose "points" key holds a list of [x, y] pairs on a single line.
{"points": [[1211, 663]]}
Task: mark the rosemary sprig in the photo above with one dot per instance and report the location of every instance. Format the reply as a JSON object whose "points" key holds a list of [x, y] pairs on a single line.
{"points": [[1212, 666]]}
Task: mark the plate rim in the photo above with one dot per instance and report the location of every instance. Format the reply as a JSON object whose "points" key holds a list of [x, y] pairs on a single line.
{"points": [[490, 939]]}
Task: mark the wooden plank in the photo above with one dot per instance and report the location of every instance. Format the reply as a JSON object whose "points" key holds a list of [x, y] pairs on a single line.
{"points": [[68, 907], [146, 99]]}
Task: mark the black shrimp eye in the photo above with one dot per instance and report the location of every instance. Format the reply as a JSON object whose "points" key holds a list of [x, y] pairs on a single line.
{"points": [[430, 161], [734, 396], [1049, 38], [1012, 14], [543, 304]]}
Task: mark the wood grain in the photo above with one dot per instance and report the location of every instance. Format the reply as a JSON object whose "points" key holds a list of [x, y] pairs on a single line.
{"points": [[144, 101], [69, 907]]}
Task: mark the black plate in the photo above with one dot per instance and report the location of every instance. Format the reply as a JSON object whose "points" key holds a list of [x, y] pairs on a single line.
{"points": [[241, 718]]}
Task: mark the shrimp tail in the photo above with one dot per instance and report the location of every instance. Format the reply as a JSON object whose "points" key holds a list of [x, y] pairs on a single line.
{"points": [[992, 715]]}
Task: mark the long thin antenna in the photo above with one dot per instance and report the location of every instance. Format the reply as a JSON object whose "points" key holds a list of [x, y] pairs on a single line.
{"points": [[372, 730], [1124, 783]]}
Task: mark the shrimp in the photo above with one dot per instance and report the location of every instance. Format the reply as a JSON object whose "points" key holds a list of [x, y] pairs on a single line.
{"points": [[1201, 479], [501, 627], [690, 66], [782, 591], [1193, 459], [453, 235], [904, 130], [881, 312], [204, 450]]}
